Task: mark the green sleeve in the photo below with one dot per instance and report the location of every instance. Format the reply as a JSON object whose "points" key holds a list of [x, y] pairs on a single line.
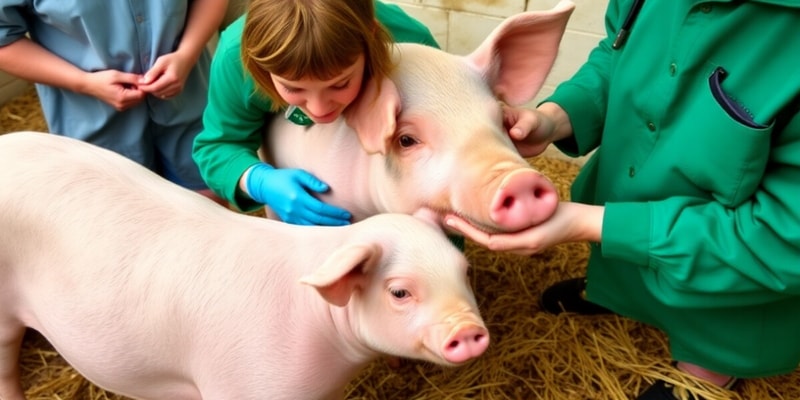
{"points": [[750, 255], [585, 95], [232, 122], [403, 28]]}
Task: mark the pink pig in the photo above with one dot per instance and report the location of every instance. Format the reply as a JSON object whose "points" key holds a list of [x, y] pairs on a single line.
{"points": [[152, 291], [433, 141]]}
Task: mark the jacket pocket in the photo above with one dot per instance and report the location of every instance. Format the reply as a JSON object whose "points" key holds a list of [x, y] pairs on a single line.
{"points": [[729, 104], [722, 152]]}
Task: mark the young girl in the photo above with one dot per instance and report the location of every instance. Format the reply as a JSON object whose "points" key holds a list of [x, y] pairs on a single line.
{"points": [[302, 60]]}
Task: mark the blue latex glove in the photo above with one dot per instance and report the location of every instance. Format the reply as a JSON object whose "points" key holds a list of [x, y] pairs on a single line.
{"points": [[289, 193]]}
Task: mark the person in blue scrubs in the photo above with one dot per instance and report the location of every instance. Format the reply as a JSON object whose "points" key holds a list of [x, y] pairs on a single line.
{"points": [[131, 77]]}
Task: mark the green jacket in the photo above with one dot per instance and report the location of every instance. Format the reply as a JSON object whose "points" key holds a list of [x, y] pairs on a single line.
{"points": [[235, 114], [695, 122]]}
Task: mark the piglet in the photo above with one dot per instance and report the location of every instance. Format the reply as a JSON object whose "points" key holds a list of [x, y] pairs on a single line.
{"points": [[154, 292]]}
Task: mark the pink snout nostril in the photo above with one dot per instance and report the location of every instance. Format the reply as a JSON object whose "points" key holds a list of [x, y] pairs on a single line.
{"points": [[524, 199], [537, 192], [466, 344]]}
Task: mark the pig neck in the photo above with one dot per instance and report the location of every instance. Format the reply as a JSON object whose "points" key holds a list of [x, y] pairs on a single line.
{"points": [[327, 342], [359, 187]]}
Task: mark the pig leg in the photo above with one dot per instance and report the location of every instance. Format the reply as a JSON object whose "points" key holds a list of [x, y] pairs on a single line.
{"points": [[11, 335]]}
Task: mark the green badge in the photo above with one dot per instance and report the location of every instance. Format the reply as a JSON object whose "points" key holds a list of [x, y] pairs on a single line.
{"points": [[294, 114]]}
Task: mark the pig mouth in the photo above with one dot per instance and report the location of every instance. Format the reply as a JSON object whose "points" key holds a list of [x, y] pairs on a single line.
{"points": [[484, 227], [436, 215]]}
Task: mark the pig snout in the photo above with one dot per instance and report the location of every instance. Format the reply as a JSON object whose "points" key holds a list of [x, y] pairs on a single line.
{"points": [[525, 198], [458, 338], [465, 343]]}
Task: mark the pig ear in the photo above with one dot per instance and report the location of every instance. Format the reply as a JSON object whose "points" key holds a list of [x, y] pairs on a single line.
{"points": [[517, 56], [374, 115], [343, 272]]}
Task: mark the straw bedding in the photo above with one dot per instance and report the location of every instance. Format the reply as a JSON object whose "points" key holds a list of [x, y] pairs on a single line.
{"points": [[533, 355]]}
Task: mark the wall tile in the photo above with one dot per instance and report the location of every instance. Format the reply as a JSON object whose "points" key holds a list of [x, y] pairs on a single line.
{"points": [[467, 31], [587, 17], [499, 8], [434, 18]]}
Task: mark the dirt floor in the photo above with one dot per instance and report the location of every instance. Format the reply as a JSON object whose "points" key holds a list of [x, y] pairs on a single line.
{"points": [[533, 355]]}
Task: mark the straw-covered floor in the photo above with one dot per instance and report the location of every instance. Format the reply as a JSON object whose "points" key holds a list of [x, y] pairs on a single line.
{"points": [[532, 355]]}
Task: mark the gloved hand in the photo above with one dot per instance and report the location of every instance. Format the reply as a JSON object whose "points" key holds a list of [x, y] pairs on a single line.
{"points": [[288, 193]]}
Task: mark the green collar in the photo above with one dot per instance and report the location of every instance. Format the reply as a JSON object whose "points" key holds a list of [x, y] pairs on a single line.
{"points": [[294, 114]]}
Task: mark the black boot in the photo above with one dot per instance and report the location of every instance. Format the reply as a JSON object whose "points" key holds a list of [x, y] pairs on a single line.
{"points": [[569, 296]]}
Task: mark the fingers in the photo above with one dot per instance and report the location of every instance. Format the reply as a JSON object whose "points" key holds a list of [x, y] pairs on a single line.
{"points": [[332, 215], [126, 78], [520, 122], [315, 212], [517, 243], [161, 89], [462, 226], [309, 210], [159, 82], [123, 96], [311, 182]]}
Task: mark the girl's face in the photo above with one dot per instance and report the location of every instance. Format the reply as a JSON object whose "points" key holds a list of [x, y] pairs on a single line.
{"points": [[323, 101]]}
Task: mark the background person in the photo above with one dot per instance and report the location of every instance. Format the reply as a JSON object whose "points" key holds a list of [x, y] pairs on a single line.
{"points": [[127, 76], [691, 199]]}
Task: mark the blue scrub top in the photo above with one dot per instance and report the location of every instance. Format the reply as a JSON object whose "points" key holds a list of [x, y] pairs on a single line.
{"points": [[99, 35]]}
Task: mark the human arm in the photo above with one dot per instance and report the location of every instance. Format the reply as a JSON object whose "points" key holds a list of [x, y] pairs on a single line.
{"points": [[573, 116], [232, 123], [27, 60], [168, 74], [572, 222], [703, 207]]}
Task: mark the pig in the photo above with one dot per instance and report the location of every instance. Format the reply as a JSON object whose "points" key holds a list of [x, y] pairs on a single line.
{"points": [[431, 141], [155, 292]]}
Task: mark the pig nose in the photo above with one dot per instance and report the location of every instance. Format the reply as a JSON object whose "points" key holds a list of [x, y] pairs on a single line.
{"points": [[466, 343], [524, 199]]}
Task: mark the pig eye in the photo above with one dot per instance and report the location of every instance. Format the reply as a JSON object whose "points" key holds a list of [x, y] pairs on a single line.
{"points": [[407, 141], [399, 293]]}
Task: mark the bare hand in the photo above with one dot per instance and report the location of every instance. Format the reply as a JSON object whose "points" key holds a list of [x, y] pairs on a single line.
{"points": [[167, 76], [571, 222], [530, 130], [118, 89]]}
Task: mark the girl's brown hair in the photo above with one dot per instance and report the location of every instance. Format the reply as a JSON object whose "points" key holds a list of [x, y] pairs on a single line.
{"points": [[312, 39]]}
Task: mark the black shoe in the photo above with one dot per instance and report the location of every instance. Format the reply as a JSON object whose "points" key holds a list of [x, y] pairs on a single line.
{"points": [[569, 296], [661, 390]]}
